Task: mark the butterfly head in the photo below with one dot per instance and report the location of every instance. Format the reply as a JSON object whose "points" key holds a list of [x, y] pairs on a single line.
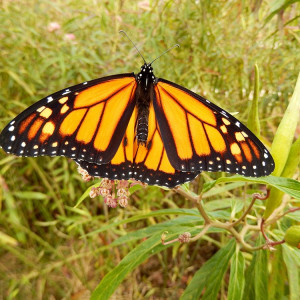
{"points": [[146, 76]]}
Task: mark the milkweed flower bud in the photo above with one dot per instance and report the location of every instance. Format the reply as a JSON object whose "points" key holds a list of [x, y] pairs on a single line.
{"points": [[184, 237], [292, 236], [110, 201], [123, 201], [94, 192]]}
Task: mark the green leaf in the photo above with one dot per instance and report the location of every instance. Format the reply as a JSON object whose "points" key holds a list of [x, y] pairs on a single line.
{"points": [[286, 131], [253, 116], [286, 185], [261, 273], [134, 258], [291, 259], [237, 278], [277, 276], [293, 160], [161, 212], [210, 275], [256, 276], [31, 195], [276, 6]]}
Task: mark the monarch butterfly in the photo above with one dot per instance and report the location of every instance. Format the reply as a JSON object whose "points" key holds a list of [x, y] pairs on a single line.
{"points": [[137, 126]]}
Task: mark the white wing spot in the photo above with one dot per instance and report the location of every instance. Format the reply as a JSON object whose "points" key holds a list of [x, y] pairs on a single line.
{"points": [[85, 83], [67, 91], [264, 163], [12, 122], [49, 99], [11, 128], [23, 144], [266, 155], [237, 124], [254, 167], [12, 138]]}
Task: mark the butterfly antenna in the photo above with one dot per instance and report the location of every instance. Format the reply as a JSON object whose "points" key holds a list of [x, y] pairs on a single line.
{"points": [[122, 31], [177, 45]]}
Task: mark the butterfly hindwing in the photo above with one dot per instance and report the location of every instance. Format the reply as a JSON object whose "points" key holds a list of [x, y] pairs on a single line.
{"points": [[147, 163], [199, 135], [84, 121]]}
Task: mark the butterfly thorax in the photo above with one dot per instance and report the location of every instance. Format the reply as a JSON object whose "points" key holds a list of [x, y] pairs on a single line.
{"points": [[144, 95]]}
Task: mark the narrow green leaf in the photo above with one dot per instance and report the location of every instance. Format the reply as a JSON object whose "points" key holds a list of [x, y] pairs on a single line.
{"points": [[286, 185], [286, 131], [31, 195], [276, 6], [256, 276], [134, 258], [293, 160], [237, 278], [277, 276], [210, 275], [253, 116], [292, 263], [249, 292], [261, 273], [21, 82], [161, 212]]}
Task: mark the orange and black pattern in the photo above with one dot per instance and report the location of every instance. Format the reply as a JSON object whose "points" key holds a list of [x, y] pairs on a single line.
{"points": [[137, 126], [201, 136], [78, 122], [146, 163]]}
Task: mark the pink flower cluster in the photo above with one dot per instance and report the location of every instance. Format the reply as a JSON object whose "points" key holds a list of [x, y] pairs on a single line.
{"points": [[114, 192]]}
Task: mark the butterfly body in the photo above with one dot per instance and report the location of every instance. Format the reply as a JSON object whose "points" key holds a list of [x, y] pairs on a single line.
{"points": [[137, 126], [144, 96]]}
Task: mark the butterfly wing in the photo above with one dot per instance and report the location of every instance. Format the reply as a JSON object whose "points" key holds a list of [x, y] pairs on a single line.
{"points": [[86, 121], [199, 135], [147, 163]]}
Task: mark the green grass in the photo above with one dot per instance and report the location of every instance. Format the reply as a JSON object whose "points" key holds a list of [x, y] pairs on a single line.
{"points": [[49, 248]]}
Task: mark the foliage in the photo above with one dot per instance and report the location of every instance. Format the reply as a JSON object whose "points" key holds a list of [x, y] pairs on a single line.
{"points": [[55, 242]]}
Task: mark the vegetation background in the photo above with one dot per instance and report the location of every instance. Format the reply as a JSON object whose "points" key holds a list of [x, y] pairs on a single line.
{"points": [[51, 249]]}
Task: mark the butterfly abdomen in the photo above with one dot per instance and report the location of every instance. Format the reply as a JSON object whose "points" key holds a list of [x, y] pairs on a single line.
{"points": [[144, 95], [143, 104]]}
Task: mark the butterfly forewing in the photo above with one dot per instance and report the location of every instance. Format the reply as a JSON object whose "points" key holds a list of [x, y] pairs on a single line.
{"points": [[198, 135], [84, 121]]}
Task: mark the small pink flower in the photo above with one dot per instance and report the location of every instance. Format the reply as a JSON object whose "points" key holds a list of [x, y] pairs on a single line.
{"points": [[104, 192], [53, 26], [122, 192], [94, 192], [123, 201], [122, 184], [110, 201], [106, 183], [70, 37]]}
